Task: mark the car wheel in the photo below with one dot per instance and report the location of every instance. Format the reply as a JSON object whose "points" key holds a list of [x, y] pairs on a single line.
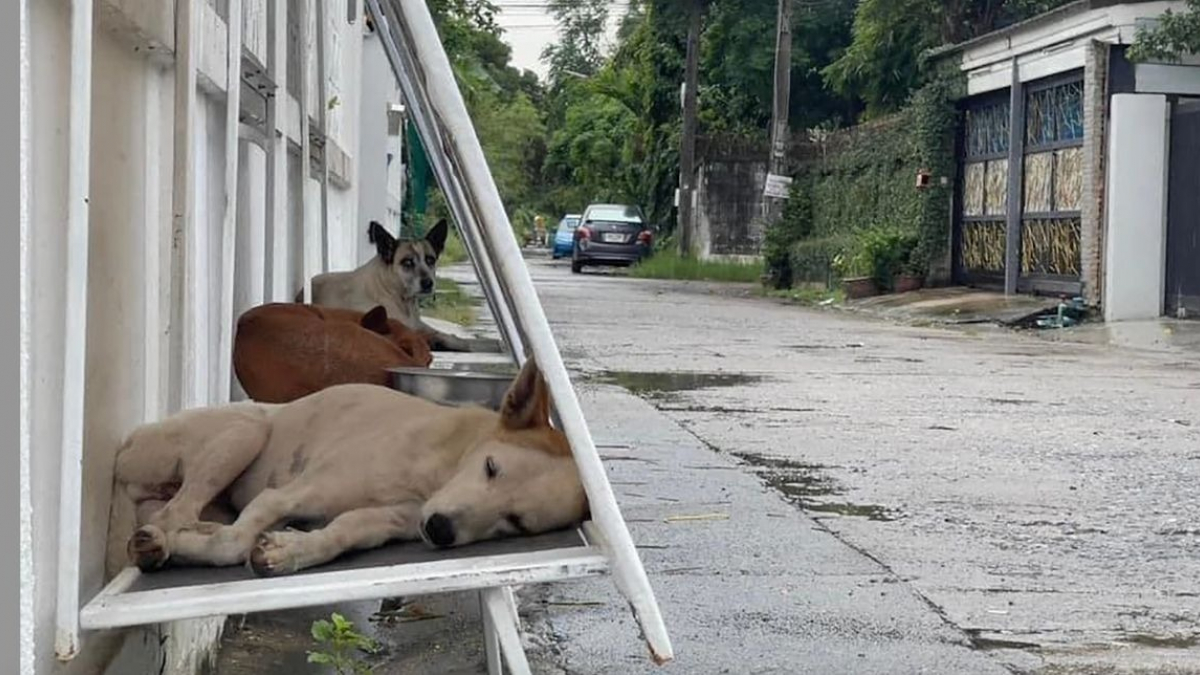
{"points": [[576, 266]]}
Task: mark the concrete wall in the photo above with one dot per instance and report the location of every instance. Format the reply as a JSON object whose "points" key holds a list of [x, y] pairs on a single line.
{"points": [[128, 343], [344, 61], [380, 189], [1095, 134], [1137, 208], [730, 177], [729, 200]]}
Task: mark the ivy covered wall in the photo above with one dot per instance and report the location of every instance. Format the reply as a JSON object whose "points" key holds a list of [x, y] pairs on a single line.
{"points": [[854, 194]]}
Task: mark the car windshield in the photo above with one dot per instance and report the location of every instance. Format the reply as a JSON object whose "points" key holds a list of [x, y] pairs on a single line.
{"points": [[615, 214]]}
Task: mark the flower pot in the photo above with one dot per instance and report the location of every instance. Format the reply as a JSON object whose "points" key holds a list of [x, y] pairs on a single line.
{"points": [[903, 283], [859, 287]]}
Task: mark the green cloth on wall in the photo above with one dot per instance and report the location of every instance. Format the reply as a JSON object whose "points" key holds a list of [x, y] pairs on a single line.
{"points": [[418, 175]]}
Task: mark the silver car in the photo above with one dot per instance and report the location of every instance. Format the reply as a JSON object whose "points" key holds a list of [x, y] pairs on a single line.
{"points": [[611, 235]]}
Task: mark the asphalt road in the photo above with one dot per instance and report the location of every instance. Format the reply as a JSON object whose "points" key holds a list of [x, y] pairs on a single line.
{"points": [[899, 500], [874, 498]]}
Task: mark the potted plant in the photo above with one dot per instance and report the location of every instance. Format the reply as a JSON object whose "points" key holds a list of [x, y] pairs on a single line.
{"points": [[910, 278], [889, 251], [911, 275], [855, 273]]}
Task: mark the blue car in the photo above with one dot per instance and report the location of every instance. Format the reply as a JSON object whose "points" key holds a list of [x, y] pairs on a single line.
{"points": [[564, 236]]}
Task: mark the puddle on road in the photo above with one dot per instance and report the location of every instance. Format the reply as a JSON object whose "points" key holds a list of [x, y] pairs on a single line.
{"points": [[665, 383], [800, 482], [984, 643], [1164, 641]]}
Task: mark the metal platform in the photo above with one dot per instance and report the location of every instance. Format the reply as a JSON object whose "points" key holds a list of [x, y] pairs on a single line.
{"points": [[400, 569]]}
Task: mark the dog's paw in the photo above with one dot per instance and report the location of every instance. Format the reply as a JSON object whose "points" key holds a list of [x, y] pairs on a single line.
{"points": [[276, 553], [147, 548]]}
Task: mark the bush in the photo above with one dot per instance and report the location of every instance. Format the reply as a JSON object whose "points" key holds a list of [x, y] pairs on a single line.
{"points": [[886, 252], [670, 265], [794, 224], [813, 260]]}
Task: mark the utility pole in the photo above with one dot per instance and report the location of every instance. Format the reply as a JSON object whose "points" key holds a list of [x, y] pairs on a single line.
{"points": [[687, 151], [777, 162]]}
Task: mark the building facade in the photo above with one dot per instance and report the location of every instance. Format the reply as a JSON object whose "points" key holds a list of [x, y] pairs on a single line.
{"points": [[181, 162], [1077, 169]]}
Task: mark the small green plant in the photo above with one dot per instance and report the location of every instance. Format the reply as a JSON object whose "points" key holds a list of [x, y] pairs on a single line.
{"points": [[885, 252], [450, 303], [341, 645], [455, 251], [853, 264]]}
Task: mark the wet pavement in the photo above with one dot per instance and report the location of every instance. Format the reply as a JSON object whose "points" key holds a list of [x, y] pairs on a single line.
{"points": [[814, 491], [954, 305]]}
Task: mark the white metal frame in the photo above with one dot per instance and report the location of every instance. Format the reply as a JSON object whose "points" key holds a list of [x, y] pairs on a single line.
{"points": [[307, 264], [428, 85], [233, 106], [185, 333], [117, 607], [66, 638], [26, 613], [322, 21], [277, 150], [502, 636]]}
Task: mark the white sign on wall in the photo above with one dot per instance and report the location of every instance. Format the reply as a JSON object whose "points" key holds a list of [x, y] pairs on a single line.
{"points": [[777, 186]]}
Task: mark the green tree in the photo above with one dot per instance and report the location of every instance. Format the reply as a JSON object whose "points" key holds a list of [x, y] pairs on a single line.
{"points": [[738, 64], [501, 100], [614, 136], [1175, 35], [582, 25], [882, 64]]}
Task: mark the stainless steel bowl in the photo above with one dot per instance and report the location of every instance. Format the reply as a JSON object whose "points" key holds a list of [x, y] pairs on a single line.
{"points": [[454, 387], [483, 345], [474, 361]]}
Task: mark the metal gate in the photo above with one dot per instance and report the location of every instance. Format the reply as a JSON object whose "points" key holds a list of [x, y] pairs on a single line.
{"points": [[1018, 224], [1183, 212]]}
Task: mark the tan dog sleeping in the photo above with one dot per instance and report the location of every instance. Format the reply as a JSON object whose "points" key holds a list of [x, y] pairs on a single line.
{"points": [[367, 463]]}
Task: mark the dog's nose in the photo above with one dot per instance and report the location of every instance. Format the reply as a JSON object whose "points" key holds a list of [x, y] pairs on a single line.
{"points": [[426, 285], [439, 530]]}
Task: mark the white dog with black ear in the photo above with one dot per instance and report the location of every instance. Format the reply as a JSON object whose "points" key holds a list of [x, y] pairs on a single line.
{"points": [[402, 272]]}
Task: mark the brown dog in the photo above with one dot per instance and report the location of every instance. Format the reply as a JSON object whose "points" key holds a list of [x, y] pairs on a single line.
{"points": [[369, 463], [283, 351]]}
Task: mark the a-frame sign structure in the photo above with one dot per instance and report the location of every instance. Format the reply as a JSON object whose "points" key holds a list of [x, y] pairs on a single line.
{"points": [[603, 546]]}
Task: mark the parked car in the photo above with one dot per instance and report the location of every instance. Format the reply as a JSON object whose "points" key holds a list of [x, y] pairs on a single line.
{"points": [[564, 236], [611, 234]]}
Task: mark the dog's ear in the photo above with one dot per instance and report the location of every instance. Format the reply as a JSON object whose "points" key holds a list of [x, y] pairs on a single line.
{"points": [[384, 242], [376, 320], [437, 236], [527, 402]]}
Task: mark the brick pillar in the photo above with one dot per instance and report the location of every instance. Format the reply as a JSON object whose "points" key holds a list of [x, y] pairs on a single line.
{"points": [[1095, 113]]}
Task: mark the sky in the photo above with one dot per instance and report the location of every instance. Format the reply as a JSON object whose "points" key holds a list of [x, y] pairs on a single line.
{"points": [[529, 28]]}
